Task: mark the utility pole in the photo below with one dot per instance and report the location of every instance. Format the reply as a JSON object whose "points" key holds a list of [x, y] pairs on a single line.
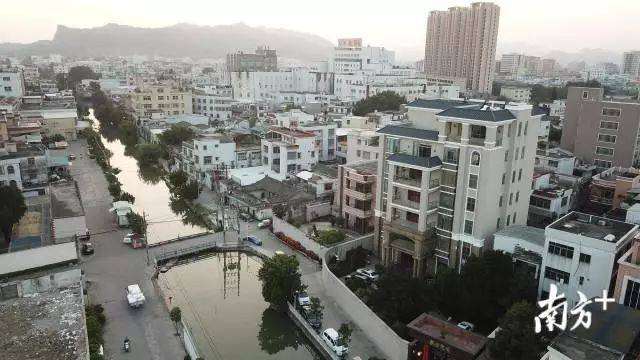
{"points": [[146, 239]]}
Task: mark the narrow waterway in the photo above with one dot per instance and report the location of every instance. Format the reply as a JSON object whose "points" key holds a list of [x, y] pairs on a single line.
{"points": [[152, 198], [221, 302]]}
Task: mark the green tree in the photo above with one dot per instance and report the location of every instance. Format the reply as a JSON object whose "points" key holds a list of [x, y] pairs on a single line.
{"points": [[12, 208], [176, 316], [316, 309], [178, 179], [125, 196], [517, 338], [386, 100], [190, 191], [137, 223], [176, 135], [148, 154], [280, 280], [345, 331], [279, 211], [332, 236], [79, 73]]}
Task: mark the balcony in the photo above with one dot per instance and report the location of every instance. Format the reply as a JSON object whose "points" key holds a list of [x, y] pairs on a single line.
{"points": [[601, 199], [415, 205], [434, 184], [358, 212], [409, 181], [404, 224], [357, 194]]}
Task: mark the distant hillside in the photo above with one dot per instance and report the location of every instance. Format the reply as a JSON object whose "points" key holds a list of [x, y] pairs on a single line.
{"points": [[181, 40]]}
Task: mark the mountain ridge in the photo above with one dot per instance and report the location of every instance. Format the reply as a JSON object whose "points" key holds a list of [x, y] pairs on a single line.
{"points": [[178, 40]]}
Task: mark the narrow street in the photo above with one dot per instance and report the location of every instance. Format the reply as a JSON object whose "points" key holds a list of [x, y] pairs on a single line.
{"points": [[113, 267]]}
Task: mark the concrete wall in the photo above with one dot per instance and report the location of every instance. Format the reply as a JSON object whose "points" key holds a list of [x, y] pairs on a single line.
{"points": [[387, 341], [315, 339], [291, 231], [316, 210], [188, 342]]}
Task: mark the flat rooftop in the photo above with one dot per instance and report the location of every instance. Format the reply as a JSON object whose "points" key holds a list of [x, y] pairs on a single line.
{"points": [[19, 262], [522, 232], [592, 226], [427, 325], [65, 200], [43, 326], [364, 167]]}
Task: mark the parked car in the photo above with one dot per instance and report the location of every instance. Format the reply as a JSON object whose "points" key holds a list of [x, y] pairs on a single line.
{"points": [[278, 252], [332, 338], [254, 240], [135, 297], [466, 325], [312, 320], [370, 274], [87, 249], [245, 216], [264, 223], [130, 237], [303, 298], [72, 157], [357, 276]]}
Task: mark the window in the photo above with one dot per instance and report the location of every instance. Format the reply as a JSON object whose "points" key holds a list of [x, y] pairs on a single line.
{"points": [[508, 220], [519, 174], [564, 201], [510, 198], [196, 159], [412, 217], [581, 280], [6, 78], [513, 176], [632, 294], [539, 202], [498, 223], [526, 127], [468, 227], [608, 125], [610, 112], [602, 163], [424, 151], [519, 129], [160, 98], [207, 160], [517, 196], [604, 151], [517, 153], [475, 158], [585, 258], [522, 153], [561, 250], [204, 147], [7, 88], [585, 94], [506, 155], [503, 177], [500, 202], [607, 138], [471, 204], [556, 275], [514, 217], [473, 181], [10, 169]]}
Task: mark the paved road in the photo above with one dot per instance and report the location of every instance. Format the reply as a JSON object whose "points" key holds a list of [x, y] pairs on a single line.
{"points": [[115, 266], [312, 276]]}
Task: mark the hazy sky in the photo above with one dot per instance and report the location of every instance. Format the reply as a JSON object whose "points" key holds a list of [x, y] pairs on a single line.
{"points": [[534, 25]]}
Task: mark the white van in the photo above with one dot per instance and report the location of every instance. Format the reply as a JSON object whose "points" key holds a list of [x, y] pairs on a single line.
{"points": [[331, 337]]}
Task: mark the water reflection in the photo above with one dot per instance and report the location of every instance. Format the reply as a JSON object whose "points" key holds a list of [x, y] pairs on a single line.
{"points": [[222, 304], [151, 174]]}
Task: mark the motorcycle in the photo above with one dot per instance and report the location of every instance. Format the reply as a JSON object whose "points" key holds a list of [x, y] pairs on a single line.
{"points": [[126, 345]]}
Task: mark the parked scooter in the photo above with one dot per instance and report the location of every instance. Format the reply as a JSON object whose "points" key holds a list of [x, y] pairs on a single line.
{"points": [[126, 345]]}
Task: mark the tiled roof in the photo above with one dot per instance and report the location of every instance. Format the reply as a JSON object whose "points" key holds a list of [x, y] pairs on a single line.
{"points": [[436, 103], [409, 132], [477, 114], [427, 162], [537, 110]]}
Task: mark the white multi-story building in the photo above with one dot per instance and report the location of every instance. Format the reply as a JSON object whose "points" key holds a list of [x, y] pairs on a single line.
{"points": [[362, 145], [350, 56], [363, 84], [516, 93], [556, 160], [10, 170], [167, 99], [548, 201], [631, 64], [325, 132], [215, 103], [288, 151], [11, 83], [208, 151], [254, 86], [458, 173], [513, 63], [581, 254]]}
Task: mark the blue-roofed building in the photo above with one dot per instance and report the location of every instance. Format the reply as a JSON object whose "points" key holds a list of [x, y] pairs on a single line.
{"points": [[457, 172]]}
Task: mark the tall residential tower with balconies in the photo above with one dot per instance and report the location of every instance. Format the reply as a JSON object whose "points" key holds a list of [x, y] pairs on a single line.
{"points": [[459, 172]]}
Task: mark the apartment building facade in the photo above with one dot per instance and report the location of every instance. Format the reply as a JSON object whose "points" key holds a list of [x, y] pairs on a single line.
{"points": [[264, 59], [516, 93], [600, 131], [627, 289], [207, 152], [216, 105], [581, 254], [165, 99], [459, 172], [351, 56], [631, 64], [355, 195], [461, 43], [268, 86], [288, 151]]}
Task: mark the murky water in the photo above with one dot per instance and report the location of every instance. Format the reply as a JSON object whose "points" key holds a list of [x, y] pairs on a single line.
{"points": [[221, 302], [151, 198]]}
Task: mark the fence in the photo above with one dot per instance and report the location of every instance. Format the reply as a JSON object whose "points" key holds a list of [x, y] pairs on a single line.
{"points": [[317, 209], [188, 342], [293, 232], [387, 341]]}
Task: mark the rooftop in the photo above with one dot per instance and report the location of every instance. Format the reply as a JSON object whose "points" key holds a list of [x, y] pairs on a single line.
{"points": [[595, 227], [410, 132], [292, 132], [65, 200], [427, 325], [364, 167], [427, 162], [438, 104], [46, 325], [478, 114], [524, 233], [19, 262], [612, 334]]}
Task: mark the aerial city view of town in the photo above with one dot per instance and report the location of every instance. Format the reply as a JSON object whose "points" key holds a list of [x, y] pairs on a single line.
{"points": [[418, 180]]}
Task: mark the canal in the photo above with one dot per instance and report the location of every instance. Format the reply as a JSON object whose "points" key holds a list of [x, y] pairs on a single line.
{"points": [[152, 195], [221, 302]]}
